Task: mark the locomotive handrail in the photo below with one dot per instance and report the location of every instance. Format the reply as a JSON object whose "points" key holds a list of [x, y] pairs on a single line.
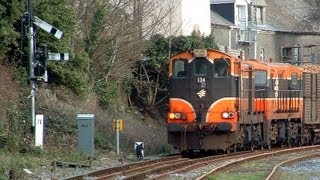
{"points": [[254, 89], [292, 90]]}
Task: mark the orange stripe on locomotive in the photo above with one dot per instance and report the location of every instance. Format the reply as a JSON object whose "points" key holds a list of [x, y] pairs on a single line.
{"points": [[276, 106]]}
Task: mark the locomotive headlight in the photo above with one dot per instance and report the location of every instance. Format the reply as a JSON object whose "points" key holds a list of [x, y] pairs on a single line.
{"points": [[231, 115], [228, 115], [171, 115], [225, 115], [177, 115]]}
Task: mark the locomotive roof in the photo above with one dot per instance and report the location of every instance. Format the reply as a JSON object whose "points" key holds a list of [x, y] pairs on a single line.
{"points": [[212, 53], [274, 65]]}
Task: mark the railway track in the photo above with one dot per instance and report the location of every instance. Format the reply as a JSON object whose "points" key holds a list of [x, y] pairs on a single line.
{"points": [[273, 173], [175, 166], [109, 173], [155, 169]]}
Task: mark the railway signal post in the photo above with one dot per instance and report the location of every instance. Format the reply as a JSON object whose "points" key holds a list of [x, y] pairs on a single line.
{"points": [[38, 56]]}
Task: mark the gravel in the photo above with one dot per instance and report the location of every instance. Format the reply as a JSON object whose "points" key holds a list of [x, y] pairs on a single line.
{"points": [[305, 166]]}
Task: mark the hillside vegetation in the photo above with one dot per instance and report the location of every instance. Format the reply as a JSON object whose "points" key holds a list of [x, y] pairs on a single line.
{"points": [[112, 74]]}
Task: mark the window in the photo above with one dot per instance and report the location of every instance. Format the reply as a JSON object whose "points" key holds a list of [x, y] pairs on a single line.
{"points": [[241, 16], [262, 55], [294, 78], [260, 78], [258, 14], [201, 67], [221, 68], [180, 68]]}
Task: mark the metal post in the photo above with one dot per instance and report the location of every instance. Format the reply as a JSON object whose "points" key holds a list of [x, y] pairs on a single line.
{"points": [[31, 64], [118, 135]]}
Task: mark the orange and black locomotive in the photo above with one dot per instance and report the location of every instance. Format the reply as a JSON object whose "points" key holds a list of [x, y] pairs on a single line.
{"points": [[219, 102]]}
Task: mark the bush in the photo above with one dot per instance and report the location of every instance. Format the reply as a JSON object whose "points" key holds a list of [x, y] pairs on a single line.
{"points": [[108, 92]]}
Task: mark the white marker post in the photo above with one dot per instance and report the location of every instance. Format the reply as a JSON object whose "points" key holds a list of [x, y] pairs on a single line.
{"points": [[39, 131]]}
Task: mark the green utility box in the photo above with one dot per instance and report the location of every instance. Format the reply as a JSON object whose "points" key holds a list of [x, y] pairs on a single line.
{"points": [[86, 134]]}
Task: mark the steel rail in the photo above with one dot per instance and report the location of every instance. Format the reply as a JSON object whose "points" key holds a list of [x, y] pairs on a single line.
{"points": [[255, 157], [273, 174]]}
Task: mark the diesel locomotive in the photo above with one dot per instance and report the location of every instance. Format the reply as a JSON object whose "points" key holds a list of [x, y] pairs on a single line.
{"points": [[219, 102]]}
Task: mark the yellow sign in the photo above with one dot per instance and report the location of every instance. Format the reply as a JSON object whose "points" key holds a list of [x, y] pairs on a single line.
{"points": [[118, 124]]}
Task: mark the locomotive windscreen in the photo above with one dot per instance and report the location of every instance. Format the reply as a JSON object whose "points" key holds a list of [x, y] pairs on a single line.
{"points": [[221, 68], [180, 68], [201, 67]]}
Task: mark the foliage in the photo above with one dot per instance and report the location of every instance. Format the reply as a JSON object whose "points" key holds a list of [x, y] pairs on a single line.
{"points": [[73, 74], [14, 165], [59, 14], [150, 82], [107, 48], [61, 124], [101, 141], [10, 12], [97, 23], [14, 138], [157, 51], [32, 160], [235, 177], [182, 43], [163, 149], [108, 93]]}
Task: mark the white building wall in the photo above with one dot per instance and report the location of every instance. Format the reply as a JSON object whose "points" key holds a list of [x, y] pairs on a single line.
{"points": [[196, 16], [184, 16]]}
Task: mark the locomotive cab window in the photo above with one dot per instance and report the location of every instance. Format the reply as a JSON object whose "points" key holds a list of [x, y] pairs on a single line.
{"points": [[180, 68], [221, 68], [294, 83], [294, 79], [260, 78], [201, 67]]}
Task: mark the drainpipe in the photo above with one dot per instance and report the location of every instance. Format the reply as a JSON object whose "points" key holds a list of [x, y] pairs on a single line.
{"points": [[229, 37], [255, 47]]}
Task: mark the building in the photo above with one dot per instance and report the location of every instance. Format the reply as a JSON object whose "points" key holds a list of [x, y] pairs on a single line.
{"points": [[279, 31], [182, 17]]}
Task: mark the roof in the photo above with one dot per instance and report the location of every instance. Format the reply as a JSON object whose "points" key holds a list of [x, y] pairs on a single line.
{"points": [[228, 1], [259, 2], [216, 19], [293, 16], [221, 1]]}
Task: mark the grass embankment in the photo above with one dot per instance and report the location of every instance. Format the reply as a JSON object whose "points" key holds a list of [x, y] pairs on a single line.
{"points": [[36, 160]]}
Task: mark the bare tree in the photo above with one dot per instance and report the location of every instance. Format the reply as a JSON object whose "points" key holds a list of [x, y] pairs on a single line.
{"points": [[115, 32]]}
